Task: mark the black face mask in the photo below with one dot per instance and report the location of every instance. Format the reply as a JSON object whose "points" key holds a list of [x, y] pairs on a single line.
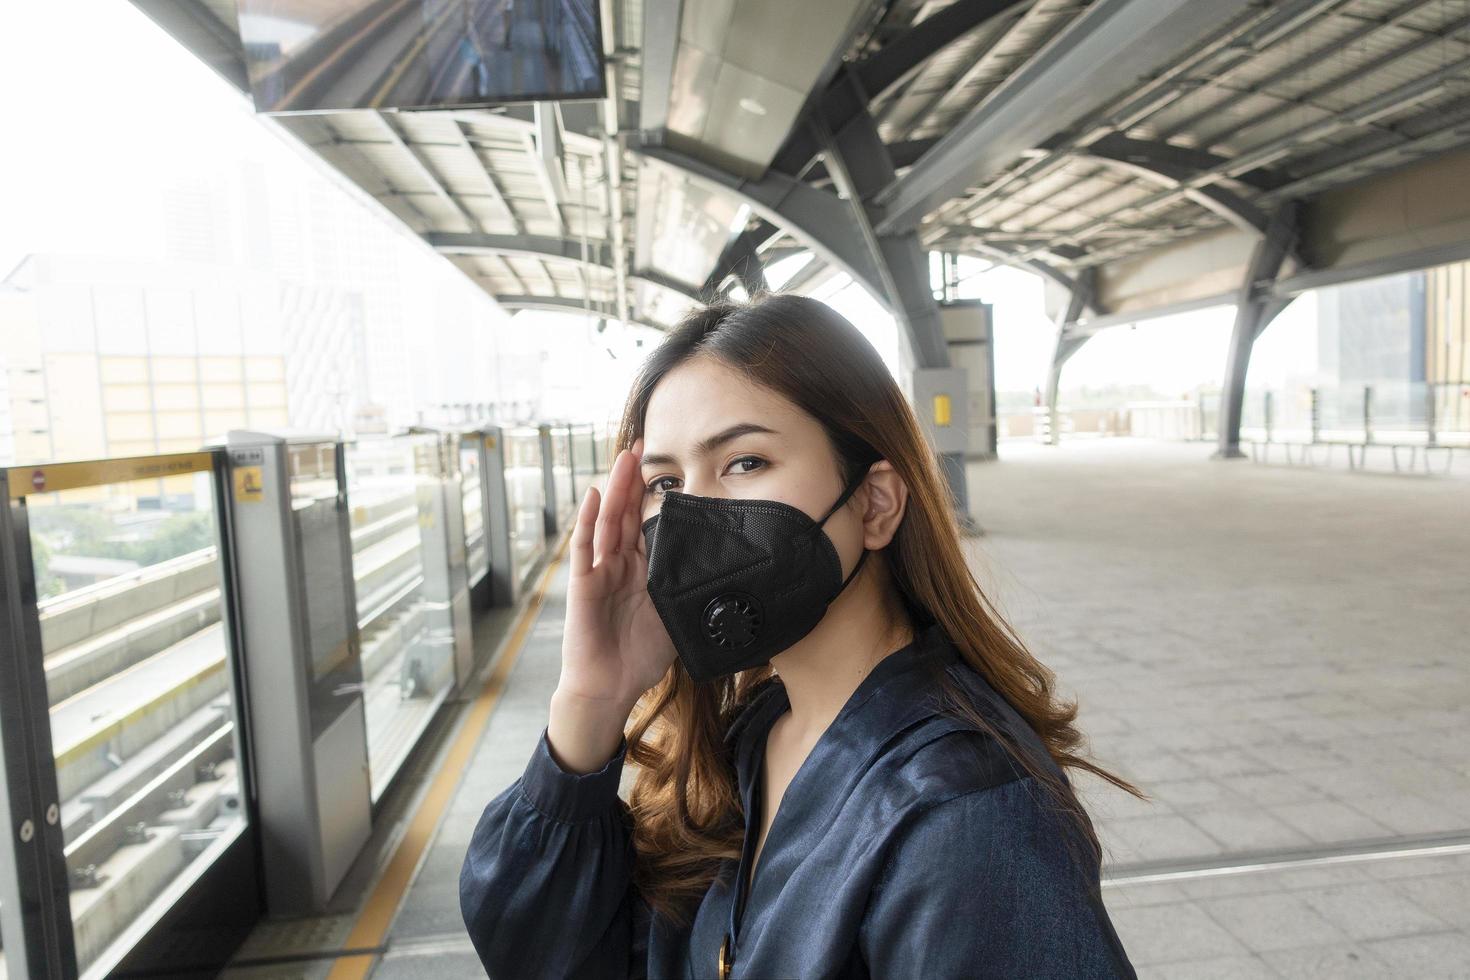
{"points": [[738, 581]]}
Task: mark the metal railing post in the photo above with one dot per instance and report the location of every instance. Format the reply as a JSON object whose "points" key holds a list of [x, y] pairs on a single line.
{"points": [[1316, 417], [1266, 409], [1367, 414], [1430, 420]]}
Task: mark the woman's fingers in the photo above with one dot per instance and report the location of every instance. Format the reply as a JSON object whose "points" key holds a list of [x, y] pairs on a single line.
{"points": [[582, 533], [609, 522], [632, 515]]}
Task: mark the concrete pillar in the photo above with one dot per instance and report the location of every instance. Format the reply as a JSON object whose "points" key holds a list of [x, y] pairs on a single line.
{"points": [[1255, 308]]}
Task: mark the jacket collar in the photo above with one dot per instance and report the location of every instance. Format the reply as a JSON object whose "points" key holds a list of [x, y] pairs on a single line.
{"points": [[893, 695]]}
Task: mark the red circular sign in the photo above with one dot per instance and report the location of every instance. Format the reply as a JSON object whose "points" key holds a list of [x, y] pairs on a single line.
{"points": [[38, 480]]}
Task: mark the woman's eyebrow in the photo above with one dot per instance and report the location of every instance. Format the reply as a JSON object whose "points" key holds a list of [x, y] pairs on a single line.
{"points": [[707, 446]]}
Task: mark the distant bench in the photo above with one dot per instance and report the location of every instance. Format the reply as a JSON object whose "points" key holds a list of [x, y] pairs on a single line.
{"points": [[1305, 453]]}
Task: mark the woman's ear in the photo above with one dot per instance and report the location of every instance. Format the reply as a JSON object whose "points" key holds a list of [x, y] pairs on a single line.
{"points": [[884, 497]]}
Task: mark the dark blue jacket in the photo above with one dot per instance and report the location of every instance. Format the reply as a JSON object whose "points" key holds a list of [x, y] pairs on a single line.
{"points": [[908, 844]]}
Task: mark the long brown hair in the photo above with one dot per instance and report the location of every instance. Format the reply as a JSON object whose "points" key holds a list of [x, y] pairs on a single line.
{"points": [[685, 802]]}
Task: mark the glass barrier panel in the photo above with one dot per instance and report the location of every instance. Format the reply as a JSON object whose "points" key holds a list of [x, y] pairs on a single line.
{"points": [[1253, 414], [474, 509], [1341, 413], [561, 474], [526, 490], [601, 458], [1452, 413], [316, 523], [1399, 411], [1291, 415], [138, 665], [583, 465], [406, 639], [1209, 416]]}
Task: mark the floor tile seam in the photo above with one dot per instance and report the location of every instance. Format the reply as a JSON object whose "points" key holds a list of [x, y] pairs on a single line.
{"points": [[1348, 853]]}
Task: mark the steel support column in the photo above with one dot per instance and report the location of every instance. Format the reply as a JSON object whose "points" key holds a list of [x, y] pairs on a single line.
{"points": [[1068, 343], [1256, 306], [860, 166], [814, 217]]}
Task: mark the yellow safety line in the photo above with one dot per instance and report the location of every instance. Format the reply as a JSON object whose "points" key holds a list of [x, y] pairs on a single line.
{"points": [[99, 736], [382, 905]]}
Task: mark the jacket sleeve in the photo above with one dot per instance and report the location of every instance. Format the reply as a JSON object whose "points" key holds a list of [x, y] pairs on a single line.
{"points": [[982, 885], [546, 886]]}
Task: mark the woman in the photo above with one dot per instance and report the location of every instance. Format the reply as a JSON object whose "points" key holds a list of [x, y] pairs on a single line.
{"points": [[847, 764]]}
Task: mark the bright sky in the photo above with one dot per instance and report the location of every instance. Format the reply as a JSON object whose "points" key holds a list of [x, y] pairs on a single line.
{"points": [[105, 110], [93, 160]]}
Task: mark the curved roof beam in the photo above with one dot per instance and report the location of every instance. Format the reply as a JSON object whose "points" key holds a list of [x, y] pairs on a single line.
{"points": [[525, 246], [819, 220], [1188, 157], [1098, 56], [1172, 167], [908, 52], [545, 247], [1004, 256], [741, 258], [898, 59], [558, 304]]}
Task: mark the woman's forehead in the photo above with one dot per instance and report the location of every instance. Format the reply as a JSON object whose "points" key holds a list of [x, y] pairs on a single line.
{"points": [[702, 396]]}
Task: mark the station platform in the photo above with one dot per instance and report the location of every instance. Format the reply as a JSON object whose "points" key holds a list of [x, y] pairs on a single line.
{"points": [[1239, 648]]}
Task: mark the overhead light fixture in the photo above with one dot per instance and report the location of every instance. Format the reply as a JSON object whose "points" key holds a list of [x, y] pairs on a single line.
{"points": [[752, 106], [741, 219]]}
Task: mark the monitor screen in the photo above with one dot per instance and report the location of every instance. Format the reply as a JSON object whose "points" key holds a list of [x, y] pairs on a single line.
{"points": [[315, 55]]}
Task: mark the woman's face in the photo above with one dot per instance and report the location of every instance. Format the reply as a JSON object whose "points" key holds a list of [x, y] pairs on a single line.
{"points": [[709, 431]]}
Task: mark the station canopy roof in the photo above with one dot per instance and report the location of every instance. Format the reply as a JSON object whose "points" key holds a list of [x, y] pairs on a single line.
{"points": [[1140, 146]]}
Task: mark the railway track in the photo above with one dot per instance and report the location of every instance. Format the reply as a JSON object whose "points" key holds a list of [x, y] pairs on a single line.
{"points": [[142, 720]]}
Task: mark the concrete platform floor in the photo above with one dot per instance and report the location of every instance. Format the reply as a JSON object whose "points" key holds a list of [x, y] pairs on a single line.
{"points": [[1404, 917], [1279, 656]]}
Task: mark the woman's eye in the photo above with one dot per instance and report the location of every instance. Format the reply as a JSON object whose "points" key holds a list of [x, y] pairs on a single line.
{"points": [[657, 487]]}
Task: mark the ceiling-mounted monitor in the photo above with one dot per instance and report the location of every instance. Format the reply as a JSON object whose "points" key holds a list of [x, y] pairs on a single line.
{"points": [[320, 55]]}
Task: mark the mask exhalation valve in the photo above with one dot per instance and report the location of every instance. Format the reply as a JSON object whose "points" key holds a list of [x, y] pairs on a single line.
{"points": [[732, 620]]}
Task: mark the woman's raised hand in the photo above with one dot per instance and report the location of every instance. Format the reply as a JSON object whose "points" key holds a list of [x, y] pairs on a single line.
{"points": [[614, 647]]}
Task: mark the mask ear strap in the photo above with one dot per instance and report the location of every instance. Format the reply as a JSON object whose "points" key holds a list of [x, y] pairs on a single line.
{"points": [[853, 574], [848, 492]]}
